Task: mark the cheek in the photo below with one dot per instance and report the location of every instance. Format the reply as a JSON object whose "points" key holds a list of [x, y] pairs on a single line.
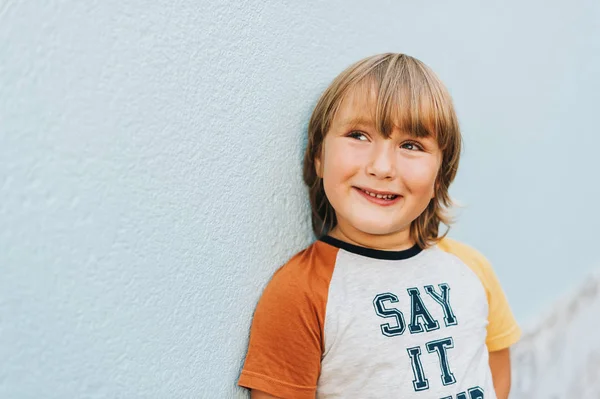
{"points": [[340, 164], [420, 177]]}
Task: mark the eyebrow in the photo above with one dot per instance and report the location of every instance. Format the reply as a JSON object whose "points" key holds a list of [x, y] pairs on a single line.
{"points": [[358, 121], [353, 123]]}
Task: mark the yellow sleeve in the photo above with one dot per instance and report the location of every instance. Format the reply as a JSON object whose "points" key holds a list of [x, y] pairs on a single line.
{"points": [[502, 330]]}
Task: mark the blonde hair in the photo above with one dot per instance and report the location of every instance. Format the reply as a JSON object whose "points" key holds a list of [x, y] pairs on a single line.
{"points": [[409, 96]]}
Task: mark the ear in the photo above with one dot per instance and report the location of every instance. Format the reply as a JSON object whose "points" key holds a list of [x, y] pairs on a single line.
{"points": [[436, 187], [318, 164], [318, 167]]}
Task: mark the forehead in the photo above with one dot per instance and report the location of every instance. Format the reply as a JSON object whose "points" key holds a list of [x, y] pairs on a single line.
{"points": [[397, 107], [358, 107]]}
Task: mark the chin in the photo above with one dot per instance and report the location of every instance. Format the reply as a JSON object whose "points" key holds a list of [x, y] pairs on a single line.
{"points": [[375, 227]]}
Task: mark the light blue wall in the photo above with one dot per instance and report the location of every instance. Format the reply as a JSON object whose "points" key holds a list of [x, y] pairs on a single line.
{"points": [[151, 156]]}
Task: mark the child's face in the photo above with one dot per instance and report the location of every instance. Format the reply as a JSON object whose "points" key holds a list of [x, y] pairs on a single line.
{"points": [[356, 158]]}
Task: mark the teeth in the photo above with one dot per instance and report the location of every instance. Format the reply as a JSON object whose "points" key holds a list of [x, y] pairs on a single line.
{"points": [[387, 196]]}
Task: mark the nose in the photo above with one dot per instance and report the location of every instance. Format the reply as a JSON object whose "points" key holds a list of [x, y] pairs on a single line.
{"points": [[382, 164]]}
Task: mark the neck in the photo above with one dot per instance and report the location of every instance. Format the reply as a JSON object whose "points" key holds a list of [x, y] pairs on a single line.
{"points": [[397, 241]]}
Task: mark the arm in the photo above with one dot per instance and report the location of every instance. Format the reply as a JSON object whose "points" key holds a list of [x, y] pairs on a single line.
{"points": [[500, 366], [286, 337], [502, 329], [254, 394]]}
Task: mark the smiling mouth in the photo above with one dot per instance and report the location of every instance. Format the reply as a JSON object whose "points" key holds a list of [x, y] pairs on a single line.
{"points": [[382, 196]]}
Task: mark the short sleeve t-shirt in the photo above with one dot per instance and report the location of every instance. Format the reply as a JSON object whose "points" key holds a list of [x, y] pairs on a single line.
{"points": [[342, 321]]}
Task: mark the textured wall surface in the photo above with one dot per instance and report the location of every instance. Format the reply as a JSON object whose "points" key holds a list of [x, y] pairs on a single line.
{"points": [[560, 356], [150, 161]]}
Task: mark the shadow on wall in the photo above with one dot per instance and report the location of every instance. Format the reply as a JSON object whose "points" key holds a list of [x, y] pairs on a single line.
{"points": [[559, 356]]}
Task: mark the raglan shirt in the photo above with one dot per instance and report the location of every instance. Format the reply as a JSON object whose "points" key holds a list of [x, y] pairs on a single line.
{"points": [[342, 321]]}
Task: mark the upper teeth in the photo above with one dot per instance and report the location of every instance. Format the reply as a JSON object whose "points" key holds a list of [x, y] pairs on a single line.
{"points": [[386, 196]]}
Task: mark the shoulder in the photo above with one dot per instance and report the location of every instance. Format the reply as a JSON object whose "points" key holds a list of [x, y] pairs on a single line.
{"points": [[469, 255], [308, 272], [463, 251], [287, 338], [474, 259], [298, 290], [502, 329]]}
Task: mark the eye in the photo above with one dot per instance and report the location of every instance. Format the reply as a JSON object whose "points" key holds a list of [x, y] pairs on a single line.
{"points": [[358, 135], [412, 146]]}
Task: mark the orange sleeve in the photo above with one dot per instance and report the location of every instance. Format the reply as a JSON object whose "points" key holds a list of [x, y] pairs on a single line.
{"points": [[502, 330], [286, 337]]}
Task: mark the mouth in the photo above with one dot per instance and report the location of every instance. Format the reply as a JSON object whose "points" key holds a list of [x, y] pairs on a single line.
{"points": [[379, 197]]}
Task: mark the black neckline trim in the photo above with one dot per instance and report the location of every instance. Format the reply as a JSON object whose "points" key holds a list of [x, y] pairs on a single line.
{"points": [[370, 252]]}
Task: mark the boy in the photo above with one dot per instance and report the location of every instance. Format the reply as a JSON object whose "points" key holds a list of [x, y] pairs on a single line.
{"points": [[382, 306]]}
